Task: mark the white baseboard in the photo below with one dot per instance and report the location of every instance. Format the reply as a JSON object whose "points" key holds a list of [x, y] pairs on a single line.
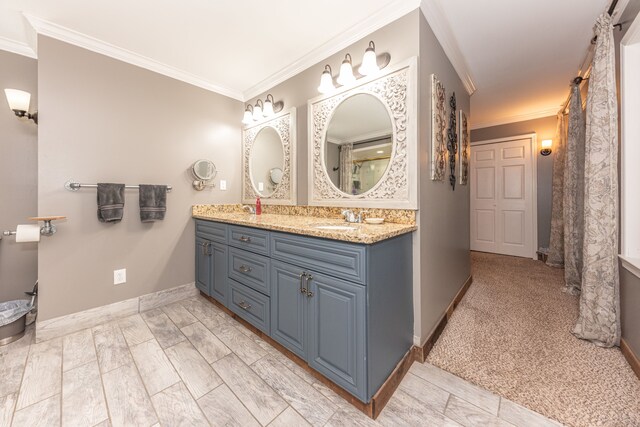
{"points": [[63, 325]]}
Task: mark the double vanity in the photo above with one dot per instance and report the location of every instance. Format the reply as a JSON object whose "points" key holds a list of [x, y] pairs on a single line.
{"points": [[337, 295]]}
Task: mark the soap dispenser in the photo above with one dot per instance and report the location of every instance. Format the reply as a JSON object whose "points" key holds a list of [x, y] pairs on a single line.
{"points": [[258, 206]]}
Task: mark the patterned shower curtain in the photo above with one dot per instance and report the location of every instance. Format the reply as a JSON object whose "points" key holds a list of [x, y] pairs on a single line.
{"points": [[573, 203], [599, 319], [555, 257], [346, 167]]}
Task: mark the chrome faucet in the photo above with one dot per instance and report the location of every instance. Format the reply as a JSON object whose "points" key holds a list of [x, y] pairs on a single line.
{"points": [[250, 209], [350, 216]]}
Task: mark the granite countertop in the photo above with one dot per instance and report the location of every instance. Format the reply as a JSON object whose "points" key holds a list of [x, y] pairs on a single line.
{"points": [[307, 226]]}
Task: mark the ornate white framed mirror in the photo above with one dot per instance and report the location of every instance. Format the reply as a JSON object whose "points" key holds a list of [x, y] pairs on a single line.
{"points": [[268, 160], [363, 142]]}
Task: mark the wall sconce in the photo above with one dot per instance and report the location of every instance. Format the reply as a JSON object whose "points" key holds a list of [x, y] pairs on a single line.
{"points": [[326, 80], [371, 64], [346, 76], [546, 147], [268, 108], [19, 101]]}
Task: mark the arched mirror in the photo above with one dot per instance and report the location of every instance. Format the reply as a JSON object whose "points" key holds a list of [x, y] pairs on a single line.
{"points": [[358, 144], [363, 142], [268, 162], [267, 155]]}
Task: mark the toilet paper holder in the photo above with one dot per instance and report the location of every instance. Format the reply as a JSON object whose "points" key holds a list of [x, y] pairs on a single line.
{"points": [[47, 229]]}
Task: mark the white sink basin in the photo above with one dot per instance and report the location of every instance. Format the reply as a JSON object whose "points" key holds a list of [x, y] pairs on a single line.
{"points": [[335, 227]]}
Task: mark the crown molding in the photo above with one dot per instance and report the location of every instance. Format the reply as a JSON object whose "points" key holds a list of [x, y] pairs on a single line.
{"points": [[17, 47], [440, 26], [84, 41], [552, 111], [377, 20]]}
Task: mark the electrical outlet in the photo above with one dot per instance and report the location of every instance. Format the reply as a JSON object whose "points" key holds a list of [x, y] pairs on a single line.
{"points": [[223, 184], [119, 276], [261, 186]]}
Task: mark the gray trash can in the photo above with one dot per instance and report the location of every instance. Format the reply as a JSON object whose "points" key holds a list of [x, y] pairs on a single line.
{"points": [[13, 315]]}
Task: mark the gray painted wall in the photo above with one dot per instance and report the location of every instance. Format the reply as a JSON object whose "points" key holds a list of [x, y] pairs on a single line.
{"points": [[544, 128], [103, 120], [19, 177], [443, 253]]}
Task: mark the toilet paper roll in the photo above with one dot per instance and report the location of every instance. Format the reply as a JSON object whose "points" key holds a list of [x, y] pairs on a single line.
{"points": [[28, 233]]}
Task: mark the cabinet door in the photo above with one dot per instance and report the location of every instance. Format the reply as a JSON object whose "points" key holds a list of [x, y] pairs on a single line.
{"points": [[288, 307], [204, 252], [219, 274], [337, 332]]}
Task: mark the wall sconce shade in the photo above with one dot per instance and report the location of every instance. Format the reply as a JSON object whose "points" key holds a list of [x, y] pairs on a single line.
{"points": [[369, 61], [19, 101], [267, 111], [546, 147], [346, 76], [248, 115], [326, 81], [257, 110]]}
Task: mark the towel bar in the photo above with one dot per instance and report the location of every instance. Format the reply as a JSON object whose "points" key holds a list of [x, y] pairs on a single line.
{"points": [[75, 186]]}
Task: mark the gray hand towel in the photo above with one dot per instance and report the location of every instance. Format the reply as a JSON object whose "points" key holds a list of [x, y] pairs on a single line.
{"points": [[153, 202], [110, 202]]}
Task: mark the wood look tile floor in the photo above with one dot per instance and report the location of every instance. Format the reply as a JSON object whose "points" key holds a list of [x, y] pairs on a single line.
{"points": [[189, 364]]}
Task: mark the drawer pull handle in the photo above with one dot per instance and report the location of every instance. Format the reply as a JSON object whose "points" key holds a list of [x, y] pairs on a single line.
{"points": [[245, 239], [308, 277], [303, 290], [205, 248], [244, 269], [243, 305]]}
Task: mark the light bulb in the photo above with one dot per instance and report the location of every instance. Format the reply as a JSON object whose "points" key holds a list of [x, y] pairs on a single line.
{"points": [[369, 61], [248, 117], [18, 99], [346, 76], [326, 81]]}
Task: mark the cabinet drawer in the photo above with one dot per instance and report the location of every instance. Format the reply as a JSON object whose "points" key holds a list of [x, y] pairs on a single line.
{"points": [[250, 239], [338, 259], [211, 230], [252, 306], [250, 269]]}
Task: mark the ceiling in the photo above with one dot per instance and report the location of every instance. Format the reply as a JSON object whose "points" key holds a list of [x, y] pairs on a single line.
{"points": [[521, 55], [518, 56]]}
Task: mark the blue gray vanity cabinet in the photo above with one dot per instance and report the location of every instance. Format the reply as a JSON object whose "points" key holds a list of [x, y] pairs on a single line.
{"points": [[345, 308], [211, 259]]}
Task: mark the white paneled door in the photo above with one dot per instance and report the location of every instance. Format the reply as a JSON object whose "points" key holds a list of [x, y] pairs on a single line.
{"points": [[502, 191]]}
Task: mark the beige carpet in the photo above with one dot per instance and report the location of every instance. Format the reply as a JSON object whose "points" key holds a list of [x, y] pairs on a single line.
{"points": [[511, 335]]}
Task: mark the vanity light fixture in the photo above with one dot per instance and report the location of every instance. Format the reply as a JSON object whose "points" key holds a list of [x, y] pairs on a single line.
{"points": [[346, 76], [369, 61], [19, 101], [326, 81], [546, 147], [371, 64], [257, 110], [248, 115], [261, 110]]}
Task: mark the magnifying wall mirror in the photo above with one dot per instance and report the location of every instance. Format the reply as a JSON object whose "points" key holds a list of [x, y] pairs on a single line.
{"points": [[358, 144], [268, 150], [363, 142], [267, 155], [203, 171]]}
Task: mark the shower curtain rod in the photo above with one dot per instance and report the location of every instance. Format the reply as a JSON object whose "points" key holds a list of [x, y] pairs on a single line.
{"points": [[579, 79]]}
